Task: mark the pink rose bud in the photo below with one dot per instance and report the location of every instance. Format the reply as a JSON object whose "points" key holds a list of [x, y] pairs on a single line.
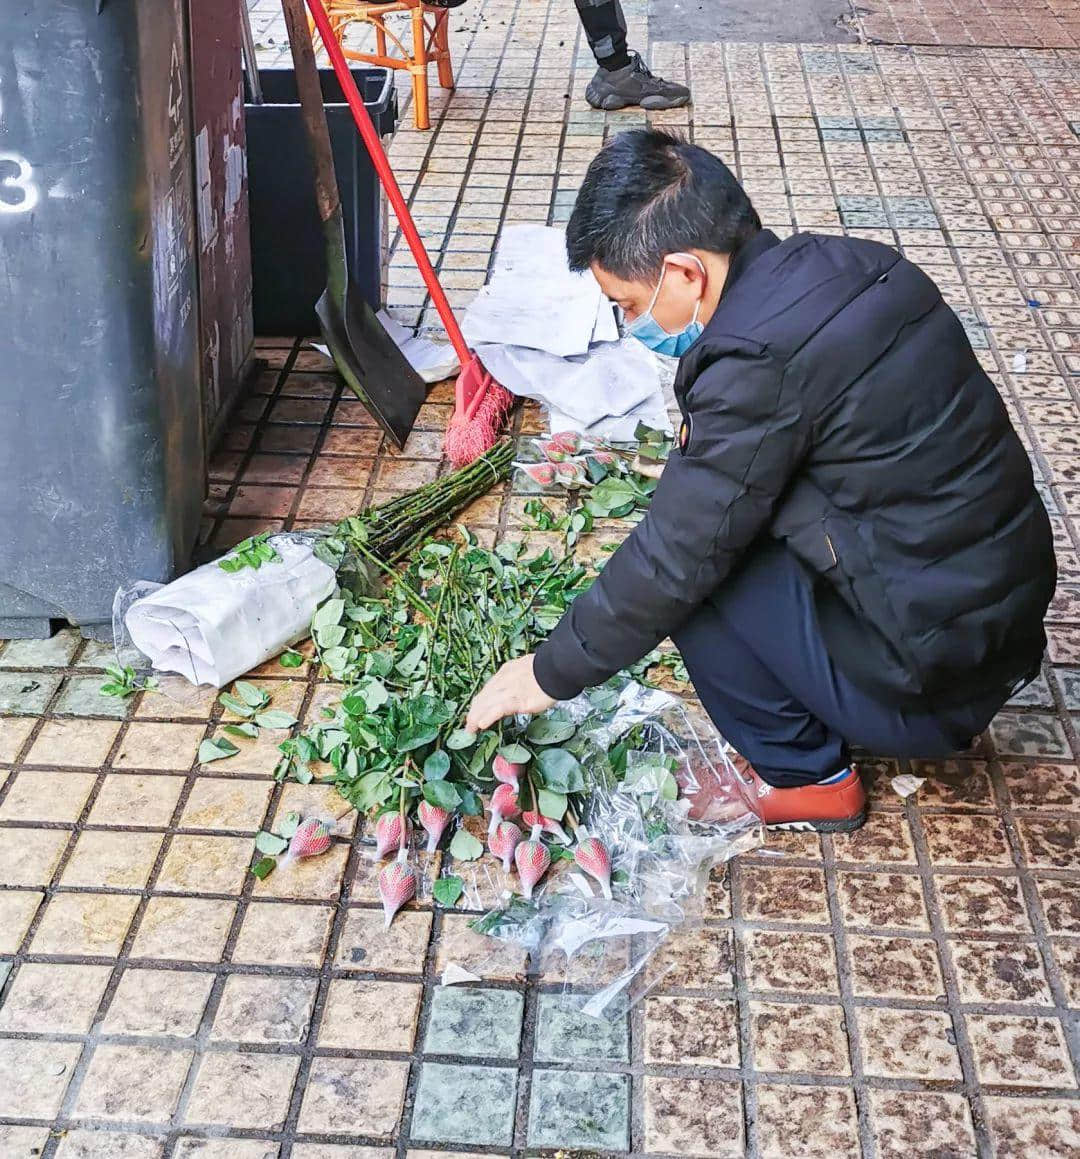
{"points": [[504, 803], [569, 473], [397, 885], [607, 458], [390, 834], [568, 442], [506, 772], [504, 841], [552, 451], [542, 473], [546, 825], [532, 860], [434, 819], [593, 857], [311, 838]]}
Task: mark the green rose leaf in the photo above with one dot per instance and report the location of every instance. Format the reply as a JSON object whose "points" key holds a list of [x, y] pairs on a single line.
{"points": [[252, 696], [443, 794], [291, 659], [447, 890], [216, 749], [270, 843], [561, 771], [275, 718], [465, 846], [437, 765], [235, 706], [460, 738], [471, 805], [549, 730], [289, 825], [246, 729], [516, 754], [263, 867], [328, 615], [551, 804]]}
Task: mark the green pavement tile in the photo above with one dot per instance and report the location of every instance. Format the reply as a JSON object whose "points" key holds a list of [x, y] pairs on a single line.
{"points": [[96, 655], [26, 693], [564, 1034], [465, 1104], [52, 653], [475, 1023], [577, 1109], [82, 696]]}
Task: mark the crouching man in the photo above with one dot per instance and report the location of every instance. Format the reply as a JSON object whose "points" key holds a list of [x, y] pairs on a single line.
{"points": [[847, 545]]}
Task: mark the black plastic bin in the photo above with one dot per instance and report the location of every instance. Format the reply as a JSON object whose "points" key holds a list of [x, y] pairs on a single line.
{"points": [[102, 454], [287, 252]]}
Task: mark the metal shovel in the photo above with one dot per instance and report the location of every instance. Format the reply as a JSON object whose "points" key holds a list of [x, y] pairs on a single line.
{"points": [[364, 354]]}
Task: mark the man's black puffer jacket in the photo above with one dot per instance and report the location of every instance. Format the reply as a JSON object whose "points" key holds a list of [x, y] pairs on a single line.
{"points": [[834, 403]]}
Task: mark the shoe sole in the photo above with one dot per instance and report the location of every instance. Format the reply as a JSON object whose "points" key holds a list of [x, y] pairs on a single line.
{"points": [[840, 825], [612, 103]]}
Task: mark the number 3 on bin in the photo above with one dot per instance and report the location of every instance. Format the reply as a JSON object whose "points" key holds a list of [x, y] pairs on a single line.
{"points": [[21, 183]]}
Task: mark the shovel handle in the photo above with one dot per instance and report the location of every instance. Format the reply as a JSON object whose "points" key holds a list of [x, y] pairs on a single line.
{"points": [[386, 174], [311, 107]]}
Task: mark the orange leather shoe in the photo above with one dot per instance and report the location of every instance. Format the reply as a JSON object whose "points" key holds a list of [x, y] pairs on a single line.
{"points": [[837, 807]]}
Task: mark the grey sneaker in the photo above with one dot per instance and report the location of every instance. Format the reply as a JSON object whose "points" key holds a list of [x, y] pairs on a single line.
{"points": [[634, 85]]}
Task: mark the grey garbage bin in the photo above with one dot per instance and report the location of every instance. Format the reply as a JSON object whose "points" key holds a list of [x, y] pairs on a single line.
{"points": [[102, 459]]}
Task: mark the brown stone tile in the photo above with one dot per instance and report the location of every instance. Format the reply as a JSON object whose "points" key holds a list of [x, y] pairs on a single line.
{"points": [[1042, 786], [931, 1124], [149, 745], [190, 1147], [1000, 972], [790, 961], [365, 880], [13, 733], [136, 799], [177, 699], [261, 1009], [184, 929], [318, 878], [34, 1076], [196, 864], [158, 1002], [693, 959], [791, 895], [256, 758], [1066, 953], [405, 474], [883, 967], [53, 999], [108, 1145], [1026, 1128], [283, 935], [966, 840], [234, 804], [908, 1044], [798, 1037], [133, 1083], [691, 1032], [17, 910], [693, 1117], [1050, 842], [32, 860], [1061, 904], [982, 904], [882, 901], [364, 945], [718, 894], [806, 846], [34, 796], [23, 1141], [1020, 1051], [369, 1015], [352, 1096], [321, 801], [488, 958], [78, 743], [956, 784], [114, 859], [807, 1123], [85, 923], [886, 837], [246, 1091]]}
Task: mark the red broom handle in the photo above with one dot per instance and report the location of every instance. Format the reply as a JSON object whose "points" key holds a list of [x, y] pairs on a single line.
{"points": [[389, 181]]}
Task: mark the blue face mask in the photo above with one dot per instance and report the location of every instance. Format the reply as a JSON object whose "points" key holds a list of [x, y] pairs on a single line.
{"points": [[646, 329]]}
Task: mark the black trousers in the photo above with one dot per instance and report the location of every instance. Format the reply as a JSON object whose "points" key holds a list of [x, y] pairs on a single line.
{"points": [[605, 30], [757, 659]]}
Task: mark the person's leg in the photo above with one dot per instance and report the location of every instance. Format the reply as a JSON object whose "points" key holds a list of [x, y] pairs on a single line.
{"points": [[621, 78], [757, 659]]}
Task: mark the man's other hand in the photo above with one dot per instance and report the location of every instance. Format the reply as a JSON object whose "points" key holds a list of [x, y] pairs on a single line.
{"points": [[511, 690]]}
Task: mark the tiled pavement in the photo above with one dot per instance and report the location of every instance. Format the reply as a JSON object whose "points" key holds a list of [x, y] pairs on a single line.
{"points": [[904, 991]]}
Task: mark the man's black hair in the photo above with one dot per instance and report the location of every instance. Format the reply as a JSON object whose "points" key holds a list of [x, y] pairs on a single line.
{"points": [[648, 194]]}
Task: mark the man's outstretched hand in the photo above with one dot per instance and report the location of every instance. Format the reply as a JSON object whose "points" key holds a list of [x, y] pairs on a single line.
{"points": [[511, 690]]}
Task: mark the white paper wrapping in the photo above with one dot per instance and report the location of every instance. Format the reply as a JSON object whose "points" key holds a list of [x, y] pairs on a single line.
{"points": [[211, 626]]}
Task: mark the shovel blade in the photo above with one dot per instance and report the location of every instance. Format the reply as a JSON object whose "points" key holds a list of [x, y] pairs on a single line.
{"points": [[371, 363]]}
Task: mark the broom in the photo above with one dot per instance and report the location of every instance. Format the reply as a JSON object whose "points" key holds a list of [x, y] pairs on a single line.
{"points": [[481, 403]]}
